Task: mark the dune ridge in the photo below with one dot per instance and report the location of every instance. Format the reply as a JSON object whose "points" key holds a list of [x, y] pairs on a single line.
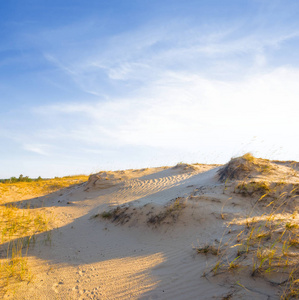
{"points": [[184, 232]]}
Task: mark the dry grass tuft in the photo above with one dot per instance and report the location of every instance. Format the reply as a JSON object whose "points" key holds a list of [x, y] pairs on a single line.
{"points": [[18, 229], [16, 223], [171, 213], [168, 214], [185, 167], [268, 241], [253, 187], [292, 290], [206, 249], [19, 226], [118, 214], [241, 167], [15, 267]]}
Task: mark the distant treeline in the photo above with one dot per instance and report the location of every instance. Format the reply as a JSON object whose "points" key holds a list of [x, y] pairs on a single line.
{"points": [[20, 179]]}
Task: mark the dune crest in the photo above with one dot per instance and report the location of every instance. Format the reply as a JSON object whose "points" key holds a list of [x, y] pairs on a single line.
{"points": [[191, 231]]}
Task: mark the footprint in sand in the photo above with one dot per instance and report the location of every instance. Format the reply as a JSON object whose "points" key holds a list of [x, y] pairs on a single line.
{"points": [[55, 286]]}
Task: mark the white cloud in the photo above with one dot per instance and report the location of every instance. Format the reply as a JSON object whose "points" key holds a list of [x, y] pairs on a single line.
{"points": [[144, 55], [36, 148], [178, 88], [185, 110]]}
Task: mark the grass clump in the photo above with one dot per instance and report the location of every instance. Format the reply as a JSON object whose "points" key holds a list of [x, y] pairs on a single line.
{"points": [[107, 214], [292, 290], [290, 225], [123, 214], [15, 267], [171, 212], [241, 167], [18, 229], [207, 249], [267, 242], [249, 157], [15, 222], [118, 214], [184, 166], [249, 188], [270, 245], [294, 242]]}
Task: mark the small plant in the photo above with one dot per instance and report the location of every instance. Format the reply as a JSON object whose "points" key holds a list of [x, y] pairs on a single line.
{"points": [[233, 264], [106, 214], [216, 267], [208, 249], [241, 167], [249, 157], [17, 222], [292, 290], [249, 188], [15, 267], [294, 243], [172, 211], [290, 225], [118, 214]]}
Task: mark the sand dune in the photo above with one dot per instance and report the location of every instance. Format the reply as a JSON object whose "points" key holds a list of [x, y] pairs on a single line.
{"points": [[151, 233]]}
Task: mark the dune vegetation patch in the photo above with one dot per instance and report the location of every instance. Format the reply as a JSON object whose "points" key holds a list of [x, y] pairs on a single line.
{"points": [[169, 214], [242, 167], [14, 267], [21, 224], [19, 229], [185, 167], [262, 244], [253, 187], [20, 190], [152, 215], [16, 223], [273, 194], [208, 249], [261, 249]]}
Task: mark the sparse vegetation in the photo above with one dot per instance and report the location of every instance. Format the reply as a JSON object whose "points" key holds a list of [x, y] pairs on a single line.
{"points": [[265, 243], [263, 240], [19, 225], [208, 249], [171, 212], [15, 267], [251, 187], [268, 245], [292, 290], [117, 214], [241, 167], [18, 229], [123, 214], [107, 214], [184, 166], [22, 190], [15, 222]]}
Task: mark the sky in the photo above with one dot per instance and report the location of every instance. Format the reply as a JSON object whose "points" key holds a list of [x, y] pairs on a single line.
{"points": [[107, 85]]}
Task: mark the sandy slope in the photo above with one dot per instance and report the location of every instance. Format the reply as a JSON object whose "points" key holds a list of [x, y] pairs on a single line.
{"points": [[130, 258]]}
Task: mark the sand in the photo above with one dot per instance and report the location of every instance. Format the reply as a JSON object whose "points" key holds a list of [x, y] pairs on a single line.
{"points": [[147, 248]]}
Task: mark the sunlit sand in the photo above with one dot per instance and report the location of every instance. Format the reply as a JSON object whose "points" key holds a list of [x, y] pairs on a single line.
{"points": [[184, 232]]}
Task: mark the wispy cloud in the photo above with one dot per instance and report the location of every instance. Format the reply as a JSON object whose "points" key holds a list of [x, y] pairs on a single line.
{"points": [[36, 148], [145, 54], [165, 86], [186, 110]]}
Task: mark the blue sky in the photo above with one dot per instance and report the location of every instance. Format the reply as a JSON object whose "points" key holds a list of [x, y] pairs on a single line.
{"points": [[93, 85]]}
